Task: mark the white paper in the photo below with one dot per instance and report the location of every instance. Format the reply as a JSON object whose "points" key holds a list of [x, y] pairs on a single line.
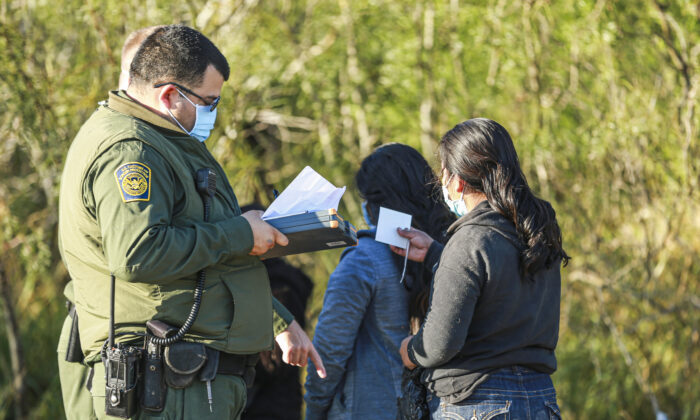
{"points": [[308, 192], [389, 221]]}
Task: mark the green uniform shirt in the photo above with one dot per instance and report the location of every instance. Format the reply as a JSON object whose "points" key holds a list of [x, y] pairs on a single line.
{"points": [[129, 206]]}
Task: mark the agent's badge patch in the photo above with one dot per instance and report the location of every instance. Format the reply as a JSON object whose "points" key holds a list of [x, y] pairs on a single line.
{"points": [[134, 181]]}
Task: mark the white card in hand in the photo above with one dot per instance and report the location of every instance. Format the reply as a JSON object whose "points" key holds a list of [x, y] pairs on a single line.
{"points": [[389, 221]]}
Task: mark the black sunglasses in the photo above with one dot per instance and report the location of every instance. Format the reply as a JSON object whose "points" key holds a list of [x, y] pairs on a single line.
{"points": [[213, 104]]}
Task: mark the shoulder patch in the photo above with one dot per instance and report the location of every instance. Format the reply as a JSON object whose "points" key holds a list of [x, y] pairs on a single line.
{"points": [[134, 181]]}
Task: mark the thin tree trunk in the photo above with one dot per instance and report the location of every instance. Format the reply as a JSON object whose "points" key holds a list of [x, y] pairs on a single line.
{"points": [[426, 106], [15, 343], [353, 76]]}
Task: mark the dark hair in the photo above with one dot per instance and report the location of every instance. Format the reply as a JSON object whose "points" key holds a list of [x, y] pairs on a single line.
{"points": [[482, 154], [134, 40], [397, 177], [176, 53]]}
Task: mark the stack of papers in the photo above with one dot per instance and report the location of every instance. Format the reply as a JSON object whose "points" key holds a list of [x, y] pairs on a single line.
{"points": [[307, 213], [308, 192]]}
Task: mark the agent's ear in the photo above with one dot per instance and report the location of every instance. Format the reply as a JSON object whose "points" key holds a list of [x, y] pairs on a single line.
{"points": [[167, 96]]}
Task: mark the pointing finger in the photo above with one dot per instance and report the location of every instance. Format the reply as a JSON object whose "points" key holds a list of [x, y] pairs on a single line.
{"points": [[316, 359]]}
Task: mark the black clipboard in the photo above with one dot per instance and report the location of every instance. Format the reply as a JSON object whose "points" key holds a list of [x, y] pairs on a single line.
{"points": [[312, 231]]}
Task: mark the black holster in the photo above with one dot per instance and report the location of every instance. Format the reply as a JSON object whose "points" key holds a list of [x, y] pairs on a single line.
{"points": [[74, 352], [154, 390]]}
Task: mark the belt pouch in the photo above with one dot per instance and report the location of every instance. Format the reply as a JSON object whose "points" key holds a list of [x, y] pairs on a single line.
{"points": [[183, 361], [74, 352], [208, 373], [154, 389], [249, 375]]}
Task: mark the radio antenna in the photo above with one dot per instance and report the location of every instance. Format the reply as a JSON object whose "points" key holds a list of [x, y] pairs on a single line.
{"points": [[111, 312]]}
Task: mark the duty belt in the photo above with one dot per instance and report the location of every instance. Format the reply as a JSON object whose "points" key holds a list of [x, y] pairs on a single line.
{"points": [[238, 365], [228, 364]]}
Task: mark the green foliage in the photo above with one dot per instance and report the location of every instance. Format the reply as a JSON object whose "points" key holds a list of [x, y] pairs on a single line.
{"points": [[600, 97]]}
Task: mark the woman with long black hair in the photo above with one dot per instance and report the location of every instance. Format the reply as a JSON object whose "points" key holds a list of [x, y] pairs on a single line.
{"points": [[492, 325], [366, 307]]}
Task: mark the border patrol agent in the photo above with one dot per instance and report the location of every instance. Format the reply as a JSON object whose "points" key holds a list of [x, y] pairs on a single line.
{"points": [[129, 207], [72, 372]]}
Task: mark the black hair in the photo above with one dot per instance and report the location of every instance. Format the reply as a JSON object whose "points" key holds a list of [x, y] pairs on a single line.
{"points": [[176, 53], [397, 177], [481, 153]]}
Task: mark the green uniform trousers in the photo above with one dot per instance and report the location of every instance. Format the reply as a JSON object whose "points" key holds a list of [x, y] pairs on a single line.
{"points": [[77, 401], [228, 396]]}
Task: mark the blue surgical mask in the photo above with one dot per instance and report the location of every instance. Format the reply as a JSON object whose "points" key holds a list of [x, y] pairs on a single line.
{"points": [[456, 206], [204, 120]]}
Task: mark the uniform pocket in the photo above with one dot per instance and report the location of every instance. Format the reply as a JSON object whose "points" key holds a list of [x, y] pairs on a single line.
{"points": [[251, 300], [484, 410], [553, 408]]}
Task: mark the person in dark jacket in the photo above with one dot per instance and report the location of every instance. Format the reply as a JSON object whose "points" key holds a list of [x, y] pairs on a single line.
{"points": [[492, 325]]}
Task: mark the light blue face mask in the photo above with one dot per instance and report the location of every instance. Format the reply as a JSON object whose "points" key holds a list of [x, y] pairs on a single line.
{"points": [[204, 120], [365, 214], [456, 206]]}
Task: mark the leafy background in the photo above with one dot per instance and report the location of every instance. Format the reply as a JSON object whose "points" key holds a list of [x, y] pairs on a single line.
{"points": [[600, 97]]}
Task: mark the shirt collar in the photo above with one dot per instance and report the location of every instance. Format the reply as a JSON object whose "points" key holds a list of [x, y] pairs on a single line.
{"points": [[119, 101]]}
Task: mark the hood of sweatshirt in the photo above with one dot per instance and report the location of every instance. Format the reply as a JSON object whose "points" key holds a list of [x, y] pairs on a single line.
{"points": [[484, 215]]}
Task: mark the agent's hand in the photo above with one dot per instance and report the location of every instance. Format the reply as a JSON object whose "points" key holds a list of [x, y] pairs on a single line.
{"points": [[420, 242], [297, 348], [264, 235], [403, 350]]}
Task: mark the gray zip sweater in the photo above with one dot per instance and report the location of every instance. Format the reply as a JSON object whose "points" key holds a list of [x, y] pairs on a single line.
{"points": [[482, 314]]}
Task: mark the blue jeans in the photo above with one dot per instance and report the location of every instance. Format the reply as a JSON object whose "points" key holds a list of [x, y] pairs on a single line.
{"points": [[510, 393]]}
